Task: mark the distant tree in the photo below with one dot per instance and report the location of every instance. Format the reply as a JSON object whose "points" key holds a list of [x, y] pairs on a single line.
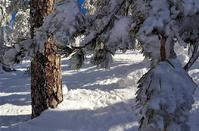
{"points": [[14, 21], [14, 28]]}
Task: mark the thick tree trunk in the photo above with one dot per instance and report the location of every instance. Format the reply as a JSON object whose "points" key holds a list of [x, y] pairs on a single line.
{"points": [[46, 84]]}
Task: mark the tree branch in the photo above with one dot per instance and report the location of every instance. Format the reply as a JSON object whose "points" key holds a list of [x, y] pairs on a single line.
{"points": [[193, 58], [94, 35]]}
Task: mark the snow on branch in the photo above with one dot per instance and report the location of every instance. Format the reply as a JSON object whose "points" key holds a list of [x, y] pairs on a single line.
{"points": [[119, 35], [101, 23], [165, 96], [62, 24]]}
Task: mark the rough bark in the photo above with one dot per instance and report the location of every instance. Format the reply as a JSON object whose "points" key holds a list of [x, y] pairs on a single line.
{"points": [[38, 10], [46, 84]]}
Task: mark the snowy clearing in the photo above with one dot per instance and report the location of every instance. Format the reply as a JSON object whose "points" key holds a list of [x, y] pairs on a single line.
{"points": [[94, 99]]}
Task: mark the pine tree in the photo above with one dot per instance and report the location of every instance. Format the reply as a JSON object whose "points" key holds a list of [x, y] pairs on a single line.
{"points": [[46, 84], [157, 26], [112, 25], [165, 92]]}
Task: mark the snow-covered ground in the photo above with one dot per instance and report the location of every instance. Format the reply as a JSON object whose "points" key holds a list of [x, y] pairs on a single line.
{"points": [[94, 99]]}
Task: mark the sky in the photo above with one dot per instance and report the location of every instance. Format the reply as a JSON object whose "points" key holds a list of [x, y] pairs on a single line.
{"points": [[82, 9]]}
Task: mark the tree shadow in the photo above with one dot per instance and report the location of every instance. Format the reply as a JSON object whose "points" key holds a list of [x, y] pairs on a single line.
{"points": [[17, 80], [10, 120], [91, 75], [115, 115], [16, 87], [16, 99], [102, 119]]}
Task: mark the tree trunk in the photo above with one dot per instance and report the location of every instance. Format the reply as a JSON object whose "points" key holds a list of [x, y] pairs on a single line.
{"points": [[162, 47], [46, 84]]}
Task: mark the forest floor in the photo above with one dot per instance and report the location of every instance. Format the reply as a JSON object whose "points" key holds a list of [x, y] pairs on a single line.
{"points": [[94, 99]]}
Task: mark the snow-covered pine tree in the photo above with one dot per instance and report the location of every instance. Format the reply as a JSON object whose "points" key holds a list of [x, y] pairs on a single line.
{"points": [[116, 24], [157, 26], [165, 91]]}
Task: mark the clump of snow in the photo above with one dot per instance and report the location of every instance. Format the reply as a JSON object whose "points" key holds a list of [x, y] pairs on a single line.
{"points": [[119, 37]]}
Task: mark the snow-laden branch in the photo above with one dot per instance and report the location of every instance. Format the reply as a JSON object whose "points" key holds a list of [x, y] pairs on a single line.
{"points": [[164, 97], [63, 24], [101, 24]]}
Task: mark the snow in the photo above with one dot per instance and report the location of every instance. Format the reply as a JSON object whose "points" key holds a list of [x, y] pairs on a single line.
{"points": [[94, 99]]}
